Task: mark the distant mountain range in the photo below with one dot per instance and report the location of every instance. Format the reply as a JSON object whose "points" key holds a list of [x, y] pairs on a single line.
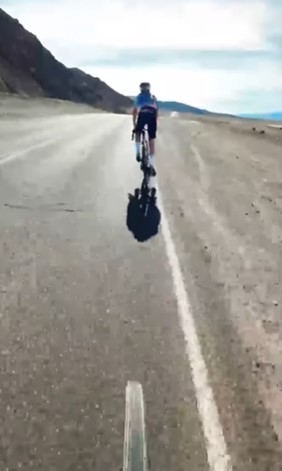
{"points": [[27, 68], [181, 108], [175, 106], [276, 116]]}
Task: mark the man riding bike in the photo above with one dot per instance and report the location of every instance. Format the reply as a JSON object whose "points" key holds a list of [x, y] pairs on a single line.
{"points": [[145, 111]]}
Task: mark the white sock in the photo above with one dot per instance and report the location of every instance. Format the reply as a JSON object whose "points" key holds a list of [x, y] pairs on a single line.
{"points": [[138, 147], [152, 160]]}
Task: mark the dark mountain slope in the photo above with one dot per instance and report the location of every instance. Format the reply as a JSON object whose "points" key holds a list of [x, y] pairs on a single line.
{"points": [[27, 67]]}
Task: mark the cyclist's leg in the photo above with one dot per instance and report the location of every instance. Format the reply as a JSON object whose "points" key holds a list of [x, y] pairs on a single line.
{"points": [[152, 129], [138, 146], [152, 146], [138, 130]]}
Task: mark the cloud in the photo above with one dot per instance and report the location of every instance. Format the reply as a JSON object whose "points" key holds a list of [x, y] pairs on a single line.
{"points": [[196, 24], [176, 57], [210, 53], [215, 89]]}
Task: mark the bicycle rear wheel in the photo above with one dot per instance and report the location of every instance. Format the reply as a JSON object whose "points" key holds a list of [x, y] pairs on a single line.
{"points": [[135, 447]]}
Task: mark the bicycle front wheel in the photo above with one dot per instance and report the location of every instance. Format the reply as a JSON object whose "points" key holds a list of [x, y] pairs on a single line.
{"points": [[135, 447]]}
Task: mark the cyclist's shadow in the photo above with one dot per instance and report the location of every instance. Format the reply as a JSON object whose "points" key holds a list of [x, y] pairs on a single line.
{"points": [[143, 221]]}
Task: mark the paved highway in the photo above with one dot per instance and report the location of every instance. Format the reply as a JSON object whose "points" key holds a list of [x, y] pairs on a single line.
{"points": [[188, 301]]}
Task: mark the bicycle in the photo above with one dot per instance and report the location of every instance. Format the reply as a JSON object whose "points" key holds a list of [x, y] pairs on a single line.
{"points": [[148, 195], [135, 446]]}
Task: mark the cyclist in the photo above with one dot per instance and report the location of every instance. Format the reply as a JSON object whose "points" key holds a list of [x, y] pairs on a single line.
{"points": [[145, 111]]}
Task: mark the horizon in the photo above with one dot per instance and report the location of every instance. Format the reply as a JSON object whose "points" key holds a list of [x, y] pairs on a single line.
{"points": [[223, 55]]}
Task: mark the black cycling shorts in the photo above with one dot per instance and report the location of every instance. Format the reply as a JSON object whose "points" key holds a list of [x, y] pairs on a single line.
{"points": [[147, 115]]}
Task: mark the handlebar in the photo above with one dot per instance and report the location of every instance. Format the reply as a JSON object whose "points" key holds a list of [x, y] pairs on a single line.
{"points": [[142, 132]]}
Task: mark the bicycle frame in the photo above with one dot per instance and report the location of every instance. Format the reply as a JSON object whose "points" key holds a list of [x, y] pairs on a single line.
{"points": [[144, 140], [148, 195]]}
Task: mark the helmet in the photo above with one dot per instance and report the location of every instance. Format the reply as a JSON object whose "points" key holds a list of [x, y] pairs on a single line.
{"points": [[145, 86]]}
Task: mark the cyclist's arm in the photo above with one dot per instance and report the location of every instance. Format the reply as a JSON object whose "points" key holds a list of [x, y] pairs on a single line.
{"points": [[157, 107], [134, 112], [134, 116]]}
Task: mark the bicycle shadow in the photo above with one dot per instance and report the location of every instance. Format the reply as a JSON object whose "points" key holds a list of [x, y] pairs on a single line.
{"points": [[143, 225]]}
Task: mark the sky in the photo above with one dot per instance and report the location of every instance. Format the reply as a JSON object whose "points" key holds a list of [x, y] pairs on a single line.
{"points": [[220, 55]]}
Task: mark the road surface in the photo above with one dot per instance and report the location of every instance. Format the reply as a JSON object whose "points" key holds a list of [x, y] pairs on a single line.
{"points": [[188, 302]]}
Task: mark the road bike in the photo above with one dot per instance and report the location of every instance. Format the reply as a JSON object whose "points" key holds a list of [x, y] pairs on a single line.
{"points": [[148, 194], [135, 446]]}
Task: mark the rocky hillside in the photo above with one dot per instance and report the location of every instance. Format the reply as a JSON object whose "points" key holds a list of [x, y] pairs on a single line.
{"points": [[26, 67]]}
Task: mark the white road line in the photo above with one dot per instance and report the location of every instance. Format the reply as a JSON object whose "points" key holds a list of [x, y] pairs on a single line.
{"points": [[218, 457]]}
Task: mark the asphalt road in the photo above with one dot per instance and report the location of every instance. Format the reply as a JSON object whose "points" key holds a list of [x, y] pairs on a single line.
{"points": [[188, 301]]}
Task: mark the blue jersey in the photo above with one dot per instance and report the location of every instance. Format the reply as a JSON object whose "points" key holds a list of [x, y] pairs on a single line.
{"points": [[145, 99]]}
